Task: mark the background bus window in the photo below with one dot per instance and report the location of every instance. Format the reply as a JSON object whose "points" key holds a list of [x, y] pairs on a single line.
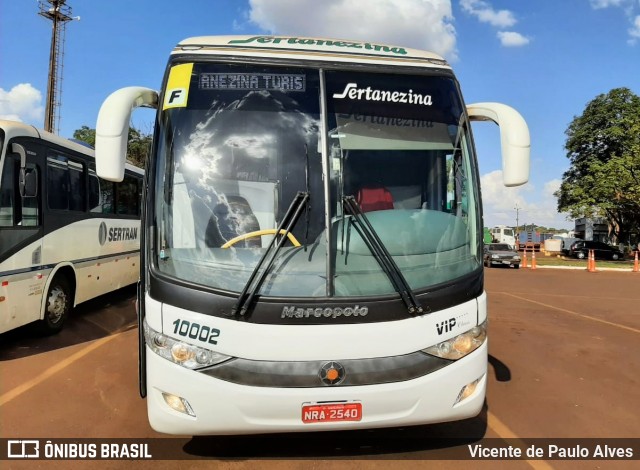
{"points": [[65, 183], [127, 198], [16, 210], [101, 194], [7, 195]]}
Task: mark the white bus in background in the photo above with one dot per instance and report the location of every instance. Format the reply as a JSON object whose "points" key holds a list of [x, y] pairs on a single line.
{"points": [[504, 234], [368, 308], [66, 236]]}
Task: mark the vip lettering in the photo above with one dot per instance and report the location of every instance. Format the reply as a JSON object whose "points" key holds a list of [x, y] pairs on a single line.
{"points": [[252, 81], [117, 234], [326, 312], [352, 92], [321, 42], [446, 326]]}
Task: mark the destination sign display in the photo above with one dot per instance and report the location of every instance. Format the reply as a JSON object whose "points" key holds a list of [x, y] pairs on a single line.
{"points": [[252, 81]]}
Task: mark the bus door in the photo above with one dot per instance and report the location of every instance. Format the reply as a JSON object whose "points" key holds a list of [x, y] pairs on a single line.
{"points": [[22, 278]]}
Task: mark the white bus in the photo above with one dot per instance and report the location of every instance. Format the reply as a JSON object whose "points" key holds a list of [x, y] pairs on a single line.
{"points": [[368, 308], [66, 236]]}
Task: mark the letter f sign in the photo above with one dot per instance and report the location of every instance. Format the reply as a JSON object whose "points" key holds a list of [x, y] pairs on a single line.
{"points": [[175, 98]]}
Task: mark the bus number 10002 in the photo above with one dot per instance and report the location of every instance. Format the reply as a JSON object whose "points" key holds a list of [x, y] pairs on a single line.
{"points": [[195, 331]]}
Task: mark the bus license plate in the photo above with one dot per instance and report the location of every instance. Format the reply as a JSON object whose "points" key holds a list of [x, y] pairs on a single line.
{"points": [[331, 412]]}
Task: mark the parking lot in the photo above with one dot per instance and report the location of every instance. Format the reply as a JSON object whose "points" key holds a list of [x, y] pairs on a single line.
{"points": [[564, 363]]}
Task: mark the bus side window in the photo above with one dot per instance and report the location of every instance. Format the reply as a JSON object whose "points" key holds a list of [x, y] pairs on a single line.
{"points": [[7, 194], [14, 209], [30, 205], [65, 183], [127, 198]]}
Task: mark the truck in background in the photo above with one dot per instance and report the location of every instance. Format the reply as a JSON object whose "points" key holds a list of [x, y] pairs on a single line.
{"points": [[503, 234], [531, 239]]}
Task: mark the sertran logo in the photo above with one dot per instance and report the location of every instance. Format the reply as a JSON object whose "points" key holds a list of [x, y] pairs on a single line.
{"points": [[102, 233]]}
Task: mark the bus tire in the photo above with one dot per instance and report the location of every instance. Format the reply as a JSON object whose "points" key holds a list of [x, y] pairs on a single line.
{"points": [[57, 306]]}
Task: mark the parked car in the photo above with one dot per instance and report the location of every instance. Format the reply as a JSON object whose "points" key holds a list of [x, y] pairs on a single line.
{"points": [[580, 250], [500, 254]]}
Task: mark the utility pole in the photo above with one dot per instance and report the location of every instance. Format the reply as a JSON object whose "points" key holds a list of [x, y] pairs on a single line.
{"points": [[60, 14], [517, 209]]}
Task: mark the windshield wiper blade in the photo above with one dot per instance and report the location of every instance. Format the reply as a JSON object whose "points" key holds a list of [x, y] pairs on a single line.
{"points": [[382, 255], [250, 289]]}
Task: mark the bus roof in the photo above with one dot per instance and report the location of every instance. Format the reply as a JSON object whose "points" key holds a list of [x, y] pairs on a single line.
{"points": [[311, 49], [14, 129], [20, 129]]}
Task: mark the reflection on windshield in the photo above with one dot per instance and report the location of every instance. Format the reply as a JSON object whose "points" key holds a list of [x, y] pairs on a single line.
{"points": [[233, 156]]}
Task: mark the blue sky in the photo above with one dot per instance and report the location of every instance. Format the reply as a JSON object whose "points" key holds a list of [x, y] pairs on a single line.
{"points": [[546, 58]]}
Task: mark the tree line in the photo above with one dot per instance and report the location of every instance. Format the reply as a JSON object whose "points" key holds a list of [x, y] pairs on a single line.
{"points": [[603, 180], [137, 148]]}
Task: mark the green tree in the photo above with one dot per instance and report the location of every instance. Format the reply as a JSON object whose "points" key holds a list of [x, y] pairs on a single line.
{"points": [[137, 147], [603, 146], [86, 134]]}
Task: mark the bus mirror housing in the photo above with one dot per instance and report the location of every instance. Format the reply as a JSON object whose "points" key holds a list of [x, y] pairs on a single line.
{"points": [[27, 179], [514, 139], [112, 129]]}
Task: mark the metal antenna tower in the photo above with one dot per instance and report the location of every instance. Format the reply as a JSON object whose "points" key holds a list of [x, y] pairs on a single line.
{"points": [[60, 14]]}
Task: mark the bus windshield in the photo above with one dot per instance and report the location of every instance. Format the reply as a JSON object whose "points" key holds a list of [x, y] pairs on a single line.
{"points": [[234, 153]]}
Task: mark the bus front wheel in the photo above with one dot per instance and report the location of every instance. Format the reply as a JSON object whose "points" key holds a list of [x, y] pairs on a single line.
{"points": [[57, 306]]}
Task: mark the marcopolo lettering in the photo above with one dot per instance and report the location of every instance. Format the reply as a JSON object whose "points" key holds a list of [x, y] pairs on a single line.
{"points": [[326, 312], [117, 234], [352, 92]]}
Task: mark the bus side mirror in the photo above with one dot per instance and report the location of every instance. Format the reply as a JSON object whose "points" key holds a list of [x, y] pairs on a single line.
{"points": [[514, 138], [27, 178], [28, 182], [112, 129]]}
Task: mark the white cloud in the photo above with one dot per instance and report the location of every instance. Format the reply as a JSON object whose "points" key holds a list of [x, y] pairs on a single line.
{"points": [[22, 103], [512, 39], [422, 24], [599, 4], [631, 9], [498, 18], [535, 207], [486, 13], [634, 31]]}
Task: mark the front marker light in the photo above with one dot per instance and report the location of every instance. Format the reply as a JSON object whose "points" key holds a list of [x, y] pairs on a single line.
{"points": [[178, 403], [467, 391], [181, 353], [461, 345]]}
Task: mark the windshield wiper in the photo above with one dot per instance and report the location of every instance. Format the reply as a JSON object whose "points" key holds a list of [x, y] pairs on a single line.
{"points": [[250, 289], [382, 255]]}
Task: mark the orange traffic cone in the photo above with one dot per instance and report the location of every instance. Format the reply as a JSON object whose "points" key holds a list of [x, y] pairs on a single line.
{"points": [[636, 269], [533, 259], [591, 264], [524, 259]]}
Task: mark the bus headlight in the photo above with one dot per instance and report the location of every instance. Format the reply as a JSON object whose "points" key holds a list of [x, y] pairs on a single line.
{"points": [[461, 345], [181, 353]]}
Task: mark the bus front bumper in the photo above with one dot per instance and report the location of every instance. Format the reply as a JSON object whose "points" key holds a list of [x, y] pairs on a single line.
{"points": [[225, 408]]}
